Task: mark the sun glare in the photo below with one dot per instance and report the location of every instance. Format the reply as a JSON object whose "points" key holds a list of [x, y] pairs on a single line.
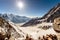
{"points": [[20, 5]]}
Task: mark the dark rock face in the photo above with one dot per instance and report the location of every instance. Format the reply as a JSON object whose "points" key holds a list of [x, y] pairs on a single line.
{"points": [[55, 15], [49, 17], [56, 24], [4, 29]]}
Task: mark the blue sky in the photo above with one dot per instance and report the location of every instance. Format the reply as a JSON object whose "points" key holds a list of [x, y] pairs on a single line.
{"points": [[31, 7]]}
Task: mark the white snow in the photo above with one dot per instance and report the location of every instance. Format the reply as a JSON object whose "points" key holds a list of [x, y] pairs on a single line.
{"points": [[33, 32]]}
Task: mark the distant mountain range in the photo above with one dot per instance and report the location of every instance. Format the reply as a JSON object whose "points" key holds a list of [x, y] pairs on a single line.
{"points": [[48, 17], [15, 18]]}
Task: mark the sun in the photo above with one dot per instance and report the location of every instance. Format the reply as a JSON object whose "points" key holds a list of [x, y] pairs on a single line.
{"points": [[20, 5]]}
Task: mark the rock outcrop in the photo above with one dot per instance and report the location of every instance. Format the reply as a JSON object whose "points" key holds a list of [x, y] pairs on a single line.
{"points": [[56, 24], [6, 30]]}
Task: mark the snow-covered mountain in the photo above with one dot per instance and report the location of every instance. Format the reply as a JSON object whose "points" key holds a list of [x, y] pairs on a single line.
{"points": [[48, 17], [15, 18]]}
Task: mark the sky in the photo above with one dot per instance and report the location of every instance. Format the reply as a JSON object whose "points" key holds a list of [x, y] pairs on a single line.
{"points": [[31, 8]]}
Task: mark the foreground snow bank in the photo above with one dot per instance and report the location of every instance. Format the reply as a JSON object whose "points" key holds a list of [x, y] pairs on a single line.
{"points": [[33, 32], [36, 32]]}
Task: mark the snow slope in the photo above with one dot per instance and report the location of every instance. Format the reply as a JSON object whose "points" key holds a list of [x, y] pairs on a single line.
{"points": [[33, 32]]}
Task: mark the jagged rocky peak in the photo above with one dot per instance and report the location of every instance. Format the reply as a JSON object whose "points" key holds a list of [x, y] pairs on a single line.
{"points": [[52, 10], [54, 14]]}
